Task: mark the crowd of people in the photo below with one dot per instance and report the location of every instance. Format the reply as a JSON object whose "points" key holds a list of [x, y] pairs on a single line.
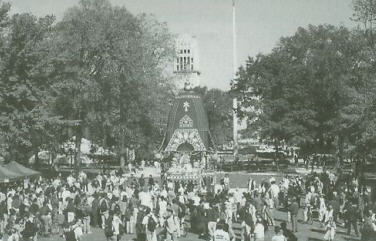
{"points": [[152, 209]]}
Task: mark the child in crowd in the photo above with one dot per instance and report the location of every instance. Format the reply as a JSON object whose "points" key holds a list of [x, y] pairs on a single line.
{"points": [[330, 230]]}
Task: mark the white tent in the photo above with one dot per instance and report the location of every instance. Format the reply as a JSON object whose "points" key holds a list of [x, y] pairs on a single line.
{"points": [[87, 147], [42, 155], [71, 145]]}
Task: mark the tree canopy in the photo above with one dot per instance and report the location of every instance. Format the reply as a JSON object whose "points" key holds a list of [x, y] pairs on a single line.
{"points": [[99, 73], [218, 106], [304, 92]]}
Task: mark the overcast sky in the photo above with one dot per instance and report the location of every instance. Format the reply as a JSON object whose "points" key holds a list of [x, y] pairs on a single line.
{"points": [[260, 23]]}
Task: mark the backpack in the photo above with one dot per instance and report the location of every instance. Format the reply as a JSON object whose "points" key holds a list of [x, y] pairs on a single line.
{"points": [[151, 224], [103, 207]]}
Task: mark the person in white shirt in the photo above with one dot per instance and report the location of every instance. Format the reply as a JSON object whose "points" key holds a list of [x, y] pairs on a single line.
{"points": [[251, 185], [9, 202], [307, 202], [196, 200], [259, 231], [322, 208], [70, 180], [220, 234], [116, 222], [330, 230], [226, 182], [146, 198], [150, 231], [162, 210], [274, 191], [328, 213], [171, 226]]}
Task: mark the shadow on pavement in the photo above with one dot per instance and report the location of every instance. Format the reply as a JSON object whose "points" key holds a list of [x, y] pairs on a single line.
{"points": [[279, 220], [317, 230], [341, 232], [351, 239]]}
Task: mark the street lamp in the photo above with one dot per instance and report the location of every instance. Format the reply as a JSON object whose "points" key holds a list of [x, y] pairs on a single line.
{"points": [[235, 101]]}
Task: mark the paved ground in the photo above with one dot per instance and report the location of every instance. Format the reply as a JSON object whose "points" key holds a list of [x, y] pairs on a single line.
{"points": [[306, 232]]}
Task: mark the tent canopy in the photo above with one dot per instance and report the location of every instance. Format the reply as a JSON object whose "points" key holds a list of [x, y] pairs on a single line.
{"points": [[7, 175], [20, 169]]}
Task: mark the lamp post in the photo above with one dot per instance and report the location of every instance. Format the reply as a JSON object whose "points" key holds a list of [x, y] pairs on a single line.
{"points": [[235, 101]]}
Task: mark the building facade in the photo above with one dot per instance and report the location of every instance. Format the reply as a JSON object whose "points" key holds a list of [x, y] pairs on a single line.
{"points": [[187, 62]]}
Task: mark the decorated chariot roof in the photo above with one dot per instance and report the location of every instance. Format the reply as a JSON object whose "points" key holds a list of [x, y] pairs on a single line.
{"points": [[187, 124]]}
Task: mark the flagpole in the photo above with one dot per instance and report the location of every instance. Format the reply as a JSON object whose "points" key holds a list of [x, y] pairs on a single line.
{"points": [[235, 101]]}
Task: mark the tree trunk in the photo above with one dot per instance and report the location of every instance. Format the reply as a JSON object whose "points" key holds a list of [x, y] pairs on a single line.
{"points": [[276, 147], [77, 159], [122, 152], [340, 152]]}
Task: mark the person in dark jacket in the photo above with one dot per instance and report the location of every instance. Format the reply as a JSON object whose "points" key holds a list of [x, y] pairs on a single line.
{"points": [[369, 228], [336, 206], [248, 224], [140, 229], [351, 217], [69, 234], [34, 208], [151, 181], [30, 229], [95, 211], [294, 209]]}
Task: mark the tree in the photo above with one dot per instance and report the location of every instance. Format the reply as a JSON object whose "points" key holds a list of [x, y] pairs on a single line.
{"points": [[218, 106], [300, 90], [111, 73], [25, 122], [365, 13]]}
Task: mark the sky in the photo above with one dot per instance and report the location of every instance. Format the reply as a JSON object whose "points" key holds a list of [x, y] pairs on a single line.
{"points": [[259, 25]]}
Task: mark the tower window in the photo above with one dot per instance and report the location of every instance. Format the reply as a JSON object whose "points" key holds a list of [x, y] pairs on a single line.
{"points": [[181, 51], [188, 51], [191, 60], [191, 66], [177, 60], [177, 67], [185, 51]]}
